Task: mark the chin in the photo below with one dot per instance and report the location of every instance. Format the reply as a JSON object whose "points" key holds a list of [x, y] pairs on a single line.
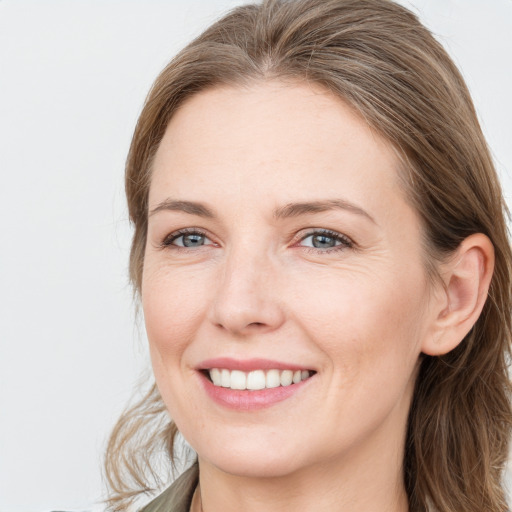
{"points": [[259, 459], [261, 466]]}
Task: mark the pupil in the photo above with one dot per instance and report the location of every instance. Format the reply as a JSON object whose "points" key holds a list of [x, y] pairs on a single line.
{"points": [[322, 241], [193, 240]]}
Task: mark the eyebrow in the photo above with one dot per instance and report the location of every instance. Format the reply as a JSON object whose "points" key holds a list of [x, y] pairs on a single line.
{"points": [[283, 212], [297, 209], [191, 207]]}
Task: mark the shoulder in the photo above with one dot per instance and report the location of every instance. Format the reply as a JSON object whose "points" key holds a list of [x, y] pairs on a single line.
{"points": [[178, 496]]}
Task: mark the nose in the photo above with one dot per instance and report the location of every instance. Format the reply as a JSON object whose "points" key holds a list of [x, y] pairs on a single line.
{"points": [[246, 300]]}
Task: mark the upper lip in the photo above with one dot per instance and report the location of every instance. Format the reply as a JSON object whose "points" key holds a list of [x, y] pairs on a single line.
{"points": [[247, 365]]}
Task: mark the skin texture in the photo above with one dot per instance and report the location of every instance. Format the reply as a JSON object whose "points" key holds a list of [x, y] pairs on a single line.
{"points": [[359, 313]]}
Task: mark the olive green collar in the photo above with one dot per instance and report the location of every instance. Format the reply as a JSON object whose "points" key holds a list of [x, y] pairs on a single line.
{"points": [[178, 496]]}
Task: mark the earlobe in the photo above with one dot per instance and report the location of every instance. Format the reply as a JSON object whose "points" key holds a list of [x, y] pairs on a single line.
{"points": [[466, 279]]}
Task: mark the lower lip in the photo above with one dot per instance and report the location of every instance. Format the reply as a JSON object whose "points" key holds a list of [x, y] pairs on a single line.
{"points": [[245, 400]]}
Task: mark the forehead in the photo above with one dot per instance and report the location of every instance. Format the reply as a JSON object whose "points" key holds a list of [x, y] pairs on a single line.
{"points": [[292, 139]]}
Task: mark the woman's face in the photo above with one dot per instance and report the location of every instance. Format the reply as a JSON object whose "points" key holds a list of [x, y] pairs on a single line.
{"points": [[280, 245]]}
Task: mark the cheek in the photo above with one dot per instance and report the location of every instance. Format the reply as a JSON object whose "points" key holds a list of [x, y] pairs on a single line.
{"points": [[366, 324], [172, 304], [172, 313]]}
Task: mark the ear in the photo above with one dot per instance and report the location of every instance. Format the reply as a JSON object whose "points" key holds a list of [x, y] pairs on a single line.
{"points": [[459, 301]]}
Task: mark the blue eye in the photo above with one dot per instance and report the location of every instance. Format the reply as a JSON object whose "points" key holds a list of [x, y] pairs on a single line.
{"points": [[325, 240], [190, 240], [187, 239]]}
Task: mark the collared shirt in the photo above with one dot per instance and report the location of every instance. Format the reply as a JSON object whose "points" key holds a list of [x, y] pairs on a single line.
{"points": [[178, 496]]}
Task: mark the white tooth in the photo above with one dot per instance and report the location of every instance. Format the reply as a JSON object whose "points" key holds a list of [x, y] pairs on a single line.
{"points": [[225, 378], [286, 377], [215, 376], [272, 379], [238, 380], [256, 380]]}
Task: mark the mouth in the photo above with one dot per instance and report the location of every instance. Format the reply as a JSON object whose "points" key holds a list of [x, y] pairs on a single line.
{"points": [[256, 380], [252, 384]]}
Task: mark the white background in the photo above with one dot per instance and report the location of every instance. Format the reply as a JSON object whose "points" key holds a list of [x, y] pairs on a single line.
{"points": [[73, 76]]}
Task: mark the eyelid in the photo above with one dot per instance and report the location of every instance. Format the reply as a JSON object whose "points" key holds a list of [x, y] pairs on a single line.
{"points": [[171, 237], [345, 241]]}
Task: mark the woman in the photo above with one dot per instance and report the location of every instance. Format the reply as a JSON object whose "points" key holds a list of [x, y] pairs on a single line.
{"points": [[321, 252]]}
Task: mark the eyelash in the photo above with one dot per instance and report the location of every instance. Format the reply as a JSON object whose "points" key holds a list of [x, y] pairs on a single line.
{"points": [[169, 239], [345, 241]]}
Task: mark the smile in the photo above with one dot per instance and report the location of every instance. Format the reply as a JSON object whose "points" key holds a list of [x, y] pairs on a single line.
{"points": [[256, 379], [252, 384]]}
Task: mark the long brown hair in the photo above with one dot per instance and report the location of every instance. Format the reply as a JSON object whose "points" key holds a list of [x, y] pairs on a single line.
{"points": [[376, 56]]}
